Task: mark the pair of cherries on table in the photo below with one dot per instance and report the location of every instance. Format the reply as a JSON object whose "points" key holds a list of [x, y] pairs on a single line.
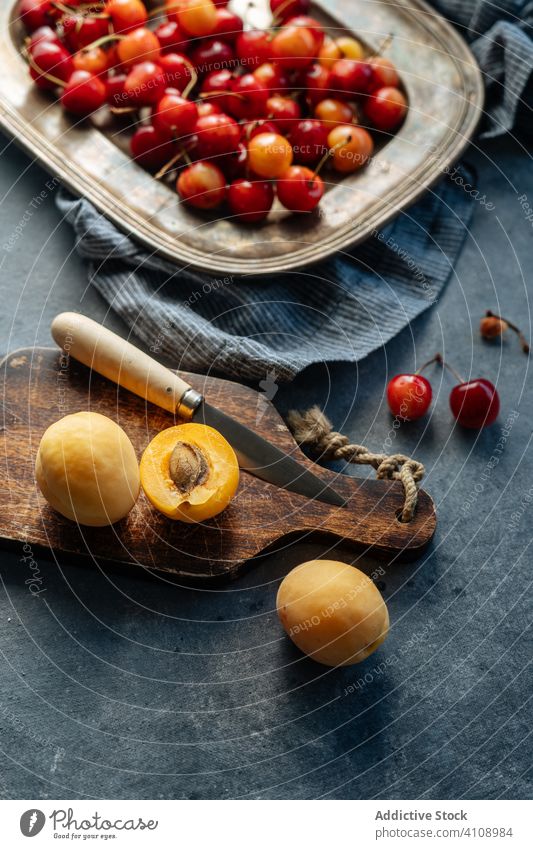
{"points": [[474, 403]]}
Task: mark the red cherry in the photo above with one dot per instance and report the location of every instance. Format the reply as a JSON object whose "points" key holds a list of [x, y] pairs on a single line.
{"points": [[41, 35], [253, 48], [217, 135], [145, 84], [52, 59], [409, 396], [256, 128], [386, 108], [317, 82], [475, 403], [250, 200], [115, 90], [349, 77], [202, 185], [80, 30], [285, 9], [208, 108], [34, 13], [175, 115], [228, 25], [235, 165], [309, 139], [177, 70], [249, 98], [216, 85], [84, 93], [212, 55], [273, 77], [314, 27], [171, 37], [300, 189], [150, 148], [383, 73], [284, 112]]}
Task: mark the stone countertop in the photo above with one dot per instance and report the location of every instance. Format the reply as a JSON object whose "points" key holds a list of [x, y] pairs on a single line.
{"points": [[117, 687]]}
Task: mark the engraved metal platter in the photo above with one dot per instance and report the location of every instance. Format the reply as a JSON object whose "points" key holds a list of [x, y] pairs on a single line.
{"points": [[439, 75]]}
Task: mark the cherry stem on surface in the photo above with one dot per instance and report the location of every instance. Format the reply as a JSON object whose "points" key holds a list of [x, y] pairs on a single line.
{"points": [[522, 339], [438, 358]]}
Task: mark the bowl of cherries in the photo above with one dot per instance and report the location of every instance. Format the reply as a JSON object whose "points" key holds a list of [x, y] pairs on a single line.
{"points": [[229, 118]]}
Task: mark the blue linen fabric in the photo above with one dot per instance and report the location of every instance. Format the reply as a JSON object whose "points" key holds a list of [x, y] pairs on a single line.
{"points": [[340, 310]]}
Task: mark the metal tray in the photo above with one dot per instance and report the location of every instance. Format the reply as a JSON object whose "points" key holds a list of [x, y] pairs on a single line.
{"points": [[445, 92]]}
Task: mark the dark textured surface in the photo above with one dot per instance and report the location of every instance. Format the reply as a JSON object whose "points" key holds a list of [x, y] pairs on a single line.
{"points": [[117, 687]]}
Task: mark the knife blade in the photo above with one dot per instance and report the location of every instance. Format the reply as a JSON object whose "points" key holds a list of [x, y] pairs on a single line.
{"points": [[113, 357]]}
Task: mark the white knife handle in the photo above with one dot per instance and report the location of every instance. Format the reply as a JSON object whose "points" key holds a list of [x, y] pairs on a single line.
{"points": [[111, 356]]}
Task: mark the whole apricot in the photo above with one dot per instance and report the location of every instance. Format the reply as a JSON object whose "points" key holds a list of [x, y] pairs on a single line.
{"points": [[87, 470], [189, 472], [332, 611]]}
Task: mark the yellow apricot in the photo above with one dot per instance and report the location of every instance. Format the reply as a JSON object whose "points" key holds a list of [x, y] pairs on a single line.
{"points": [[189, 472], [332, 611], [350, 47], [87, 470]]}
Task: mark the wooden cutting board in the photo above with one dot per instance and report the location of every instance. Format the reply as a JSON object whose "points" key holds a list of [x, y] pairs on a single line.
{"points": [[40, 386]]}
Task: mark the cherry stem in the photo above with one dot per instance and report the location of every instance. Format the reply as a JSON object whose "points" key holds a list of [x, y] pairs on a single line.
{"points": [[382, 46], [193, 80], [276, 20], [112, 36], [157, 10], [438, 358], [522, 339], [62, 7], [122, 110], [207, 95], [50, 77], [166, 168]]}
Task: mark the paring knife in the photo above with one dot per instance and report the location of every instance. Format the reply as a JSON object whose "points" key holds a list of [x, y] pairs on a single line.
{"points": [[111, 356]]}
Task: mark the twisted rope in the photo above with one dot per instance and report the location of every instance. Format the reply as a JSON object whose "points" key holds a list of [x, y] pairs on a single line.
{"points": [[314, 429]]}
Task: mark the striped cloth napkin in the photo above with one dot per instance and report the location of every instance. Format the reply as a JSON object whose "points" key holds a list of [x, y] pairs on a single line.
{"points": [[340, 310]]}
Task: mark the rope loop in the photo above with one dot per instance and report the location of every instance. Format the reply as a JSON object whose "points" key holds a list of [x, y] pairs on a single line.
{"points": [[314, 429]]}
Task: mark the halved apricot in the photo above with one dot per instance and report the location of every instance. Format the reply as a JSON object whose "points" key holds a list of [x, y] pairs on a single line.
{"points": [[189, 472]]}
